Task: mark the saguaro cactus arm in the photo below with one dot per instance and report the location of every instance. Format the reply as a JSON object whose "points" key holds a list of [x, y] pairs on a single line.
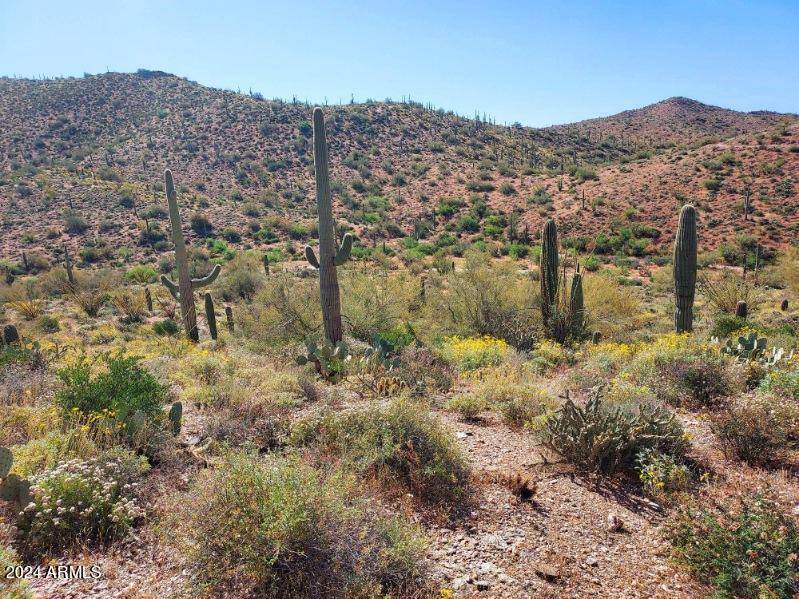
{"points": [[310, 256], [171, 286], [343, 253], [207, 279]]}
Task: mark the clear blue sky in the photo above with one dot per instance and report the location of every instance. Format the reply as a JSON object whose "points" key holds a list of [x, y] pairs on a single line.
{"points": [[538, 63]]}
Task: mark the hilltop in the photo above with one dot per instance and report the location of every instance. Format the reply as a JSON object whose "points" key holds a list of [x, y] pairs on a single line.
{"points": [[94, 149]]}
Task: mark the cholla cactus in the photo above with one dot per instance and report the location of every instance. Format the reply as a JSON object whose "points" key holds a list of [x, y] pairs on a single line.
{"points": [[329, 256], [685, 246], [183, 290]]}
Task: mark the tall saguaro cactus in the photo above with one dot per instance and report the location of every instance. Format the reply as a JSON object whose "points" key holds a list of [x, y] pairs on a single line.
{"points": [[685, 246], [549, 270], [183, 290], [329, 255]]}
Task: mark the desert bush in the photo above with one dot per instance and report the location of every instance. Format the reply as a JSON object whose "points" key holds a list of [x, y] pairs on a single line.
{"points": [[613, 310], [398, 444], [92, 291], [285, 310], [423, 371], [682, 371], [661, 475], [757, 428], [130, 306], [121, 388], [81, 502], [24, 297], [49, 324], [784, 383], [468, 405], [474, 353], [600, 437], [74, 223], [13, 588], [241, 278], [278, 528], [788, 268], [484, 299], [142, 274], [725, 291], [747, 550], [375, 301], [165, 326]]}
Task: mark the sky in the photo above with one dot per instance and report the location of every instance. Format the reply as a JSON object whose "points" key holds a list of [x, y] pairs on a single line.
{"points": [[537, 63]]}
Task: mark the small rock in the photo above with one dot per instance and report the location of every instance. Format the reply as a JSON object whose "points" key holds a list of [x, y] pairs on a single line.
{"points": [[592, 561], [482, 585], [547, 572]]}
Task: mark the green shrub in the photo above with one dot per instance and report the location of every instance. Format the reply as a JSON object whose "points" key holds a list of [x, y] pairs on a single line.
{"points": [[122, 388], [81, 502], [468, 405], [166, 326], [748, 551], [398, 444], [784, 383], [602, 438], [49, 324], [142, 274], [278, 528], [660, 473]]}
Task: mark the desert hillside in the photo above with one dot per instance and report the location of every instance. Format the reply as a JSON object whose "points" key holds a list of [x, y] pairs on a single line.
{"points": [[92, 150]]}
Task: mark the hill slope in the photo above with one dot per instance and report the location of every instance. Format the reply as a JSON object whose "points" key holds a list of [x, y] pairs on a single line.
{"points": [[96, 147]]}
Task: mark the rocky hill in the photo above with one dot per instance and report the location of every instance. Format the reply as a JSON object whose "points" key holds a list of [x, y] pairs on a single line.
{"points": [[81, 162]]}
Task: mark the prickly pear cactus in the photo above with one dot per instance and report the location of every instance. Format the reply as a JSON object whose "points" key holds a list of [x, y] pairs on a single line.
{"points": [[328, 359]]}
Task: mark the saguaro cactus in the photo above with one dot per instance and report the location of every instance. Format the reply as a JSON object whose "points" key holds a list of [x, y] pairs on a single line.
{"points": [[329, 256], [741, 310], [685, 270], [549, 270], [577, 305], [229, 316], [266, 264], [183, 290], [210, 315]]}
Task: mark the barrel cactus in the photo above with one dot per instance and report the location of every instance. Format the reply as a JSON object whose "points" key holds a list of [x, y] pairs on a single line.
{"points": [[330, 256], [183, 290], [685, 246]]}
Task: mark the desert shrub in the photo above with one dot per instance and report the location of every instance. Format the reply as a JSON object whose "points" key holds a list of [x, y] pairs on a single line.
{"points": [[484, 299], [468, 405], [49, 324], [241, 278], [788, 268], [661, 475], [726, 324], [81, 502], [757, 428], [600, 437], [423, 371], [375, 301], [748, 550], [74, 223], [278, 528], [398, 444], [165, 326], [285, 310], [24, 297], [613, 310], [92, 291], [141, 274], [725, 291], [682, 371], [200, 224], [784, 383], [262, 424], [121, 388], [130, 306], [474, 353]]}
